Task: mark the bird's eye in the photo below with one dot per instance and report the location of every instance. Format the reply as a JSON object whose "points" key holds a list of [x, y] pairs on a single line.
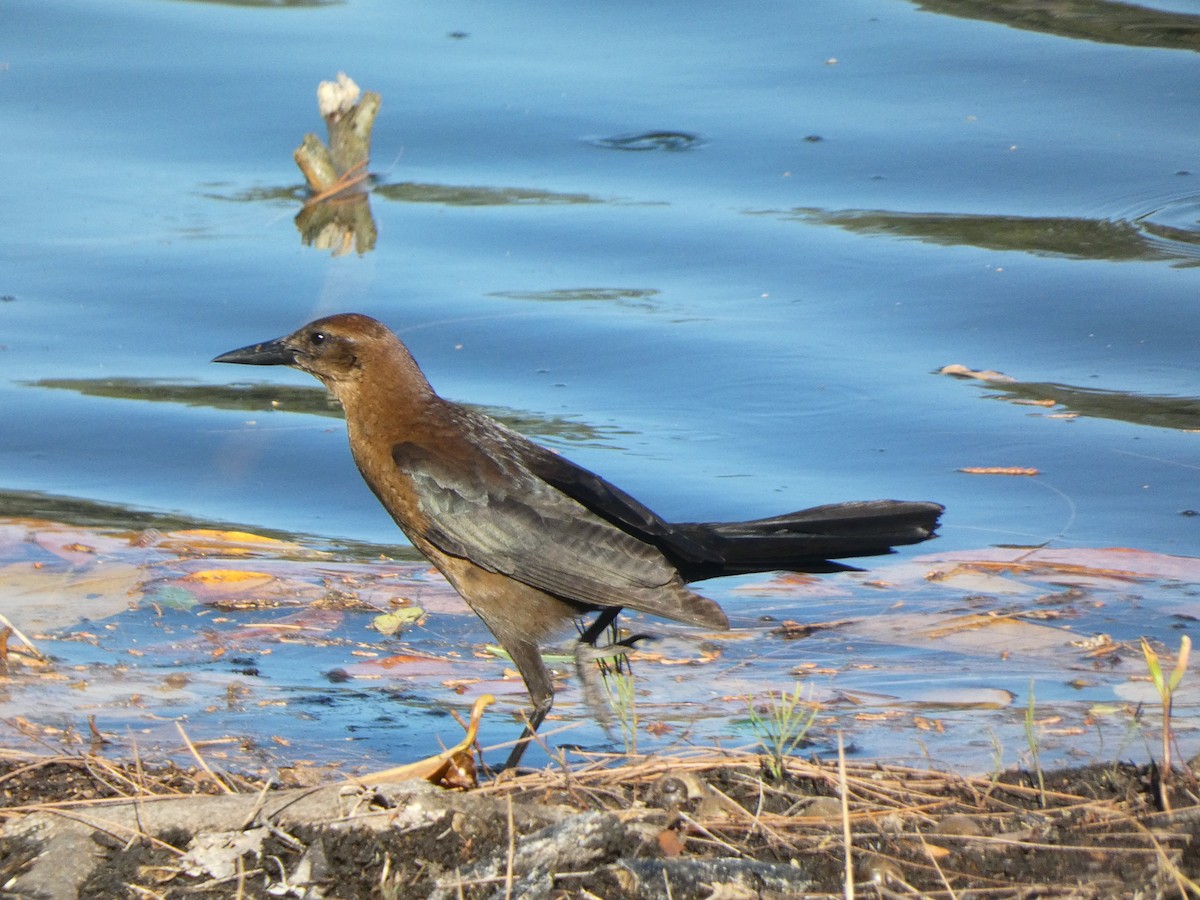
{"points": [[317, 337]]}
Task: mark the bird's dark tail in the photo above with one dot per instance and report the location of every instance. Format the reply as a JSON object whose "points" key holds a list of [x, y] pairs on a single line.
{"points": [[805, 541]]}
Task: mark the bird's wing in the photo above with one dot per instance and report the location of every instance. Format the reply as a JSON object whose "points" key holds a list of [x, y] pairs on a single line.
{"points": [[493, 511], [611, 503]]}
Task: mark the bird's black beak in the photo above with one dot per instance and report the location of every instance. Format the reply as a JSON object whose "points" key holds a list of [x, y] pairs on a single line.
{"points": [[268, 353]]}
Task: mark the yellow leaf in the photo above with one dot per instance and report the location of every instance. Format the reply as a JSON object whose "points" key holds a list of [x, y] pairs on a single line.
{"points": [[233, 537], [390, 623], [236, 579], [209, 541], [453, 766]]}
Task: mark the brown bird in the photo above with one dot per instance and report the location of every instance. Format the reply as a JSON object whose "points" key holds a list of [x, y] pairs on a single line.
{"points": [[531, 540]]}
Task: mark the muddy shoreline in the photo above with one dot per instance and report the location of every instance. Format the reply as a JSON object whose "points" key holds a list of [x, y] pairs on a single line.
{"points": [[697, 826]]}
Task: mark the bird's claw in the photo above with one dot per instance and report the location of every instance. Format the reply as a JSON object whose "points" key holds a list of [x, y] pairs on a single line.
{"points": [[590, 676]]}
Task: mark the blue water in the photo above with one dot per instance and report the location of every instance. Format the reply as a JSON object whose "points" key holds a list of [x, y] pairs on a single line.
{"points": [[769, 360]]}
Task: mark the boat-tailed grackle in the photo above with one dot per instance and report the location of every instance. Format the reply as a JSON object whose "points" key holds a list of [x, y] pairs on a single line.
{"points": [[531, 540]]}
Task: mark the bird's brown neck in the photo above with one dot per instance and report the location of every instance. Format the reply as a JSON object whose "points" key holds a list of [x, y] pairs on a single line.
{"points": [[390, 402], [388, 398]]}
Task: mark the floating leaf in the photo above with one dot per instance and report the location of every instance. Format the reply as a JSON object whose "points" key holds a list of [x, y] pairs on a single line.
{"points": [[229, 579], [390, 623], [231, 589], [970, 579], [43, 599], [211, 542], [1119, 563], [968, 633], [76, 545], [171, 597], [409, 665]]}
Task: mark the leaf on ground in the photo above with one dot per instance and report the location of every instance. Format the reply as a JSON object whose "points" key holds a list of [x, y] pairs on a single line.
{"points": [[673, 649], [453, 768], [220, 855]]}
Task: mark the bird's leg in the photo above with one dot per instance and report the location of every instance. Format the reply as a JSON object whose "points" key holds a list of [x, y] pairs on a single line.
{"points": [[586, 652], [607, 616], [528, 660], [586, 647]]}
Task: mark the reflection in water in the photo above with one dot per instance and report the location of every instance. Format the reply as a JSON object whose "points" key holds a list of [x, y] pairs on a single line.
{"points": [[344, 224], [1089, 20], [287, 194], [412, 192], [272, 4], [312, 401], [462, 195], [1116, 241], [1173, 223], [671, 141], [634, 298], [249, 397], [37, 505], [73, 511], [1156, 411], [338, 224]]}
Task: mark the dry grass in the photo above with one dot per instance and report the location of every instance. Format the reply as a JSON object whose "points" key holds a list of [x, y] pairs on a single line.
{"points": [[1098, 833], [913, 831]]}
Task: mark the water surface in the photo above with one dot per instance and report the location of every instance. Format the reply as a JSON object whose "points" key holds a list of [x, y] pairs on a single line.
{"points": [[716, 254]]}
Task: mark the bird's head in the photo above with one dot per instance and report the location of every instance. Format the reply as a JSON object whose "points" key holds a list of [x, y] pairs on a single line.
{"points": [[339, 350]]}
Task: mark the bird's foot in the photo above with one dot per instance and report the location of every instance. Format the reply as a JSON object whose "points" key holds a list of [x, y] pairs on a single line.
{"points": [[591, 677], [616, 650]]}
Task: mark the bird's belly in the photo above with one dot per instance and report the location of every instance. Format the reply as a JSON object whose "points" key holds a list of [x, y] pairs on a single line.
{"points": [[508, 607], [511, 609]]}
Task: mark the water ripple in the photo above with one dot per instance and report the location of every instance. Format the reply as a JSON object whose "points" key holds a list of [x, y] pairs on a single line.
{"points": [[1174, 226]]}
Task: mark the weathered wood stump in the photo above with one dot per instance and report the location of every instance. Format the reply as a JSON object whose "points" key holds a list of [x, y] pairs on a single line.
{"points": [[337, 216]]}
